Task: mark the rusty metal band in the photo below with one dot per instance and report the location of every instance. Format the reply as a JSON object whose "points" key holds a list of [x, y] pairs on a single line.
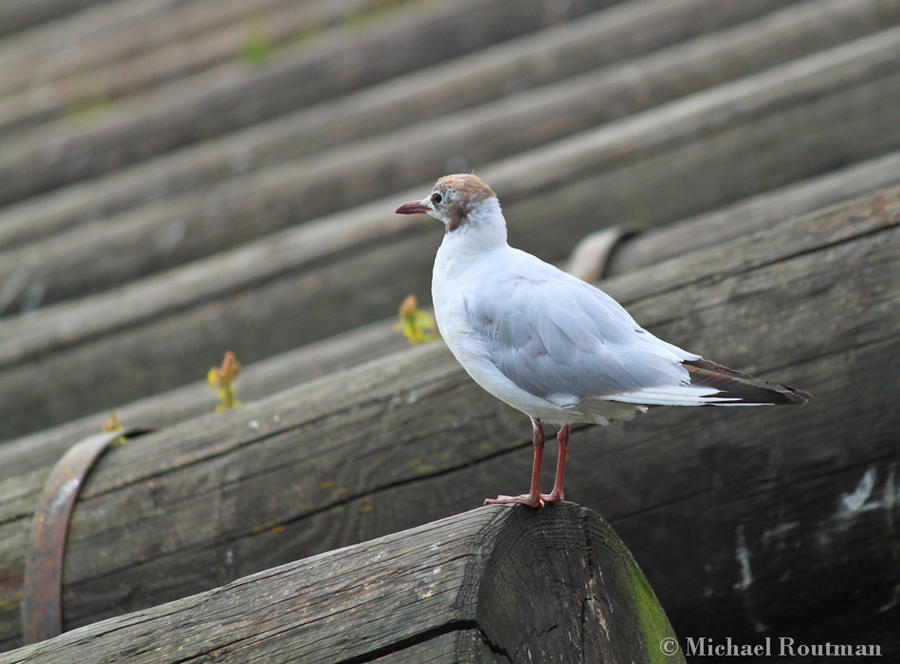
{"points": [[42, 587]]}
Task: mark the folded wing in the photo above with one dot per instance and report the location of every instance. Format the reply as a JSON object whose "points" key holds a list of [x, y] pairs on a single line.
{"points": [[566, 341], [563, 338]]}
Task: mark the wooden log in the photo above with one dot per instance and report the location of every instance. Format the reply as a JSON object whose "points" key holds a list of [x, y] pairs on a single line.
{"points": [[284, 291], [235, 96], [753, 214], [18, 16], [258, 380], [521, 64], [275, 34], [37, 451], [489, 585], [163, 235], [196, 505], [112, 32], [125, 49]]}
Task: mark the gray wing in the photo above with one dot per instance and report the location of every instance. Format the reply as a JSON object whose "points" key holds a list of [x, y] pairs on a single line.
{"points": [[559, 337]]}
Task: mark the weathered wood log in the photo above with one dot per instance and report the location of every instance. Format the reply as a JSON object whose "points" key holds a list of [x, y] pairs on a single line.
{"points": [[304, 284], [117, 33], [280, 29], [37, 451], [274, 24], [198, 224], [237, 96], [524, 63], [209, 500], [17, 16], [753, 215], [489, 585]]}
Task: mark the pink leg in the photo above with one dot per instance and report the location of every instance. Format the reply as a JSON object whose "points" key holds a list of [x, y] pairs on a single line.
{"points": [[556, 496], [533, 498]]}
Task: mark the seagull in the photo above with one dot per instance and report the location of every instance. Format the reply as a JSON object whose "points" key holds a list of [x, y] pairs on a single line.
{"points": [[551, 345]]}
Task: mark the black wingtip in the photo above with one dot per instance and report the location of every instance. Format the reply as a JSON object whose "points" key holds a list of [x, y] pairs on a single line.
{"points": [[742, 388]]}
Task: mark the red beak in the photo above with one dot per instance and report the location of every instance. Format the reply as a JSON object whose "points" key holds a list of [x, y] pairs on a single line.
{"points": [[415, 207]]}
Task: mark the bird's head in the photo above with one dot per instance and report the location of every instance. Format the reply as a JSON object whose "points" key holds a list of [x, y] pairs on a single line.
{"points": [[463, 203]]}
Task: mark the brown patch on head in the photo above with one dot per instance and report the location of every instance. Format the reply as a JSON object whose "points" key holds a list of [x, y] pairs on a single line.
{"points": [[460, 192], [467, 186]]}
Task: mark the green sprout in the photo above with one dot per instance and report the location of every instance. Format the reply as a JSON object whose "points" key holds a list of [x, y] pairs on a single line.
{"points": [[112, 424], [222, 378], [417, 324]]}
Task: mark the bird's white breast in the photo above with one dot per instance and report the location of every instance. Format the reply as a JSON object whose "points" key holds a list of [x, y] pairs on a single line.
{"points": [[450, 282], [458, 278]]}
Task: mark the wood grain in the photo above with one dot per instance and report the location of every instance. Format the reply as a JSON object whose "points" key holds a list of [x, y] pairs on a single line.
{"points": [[492, 584]]}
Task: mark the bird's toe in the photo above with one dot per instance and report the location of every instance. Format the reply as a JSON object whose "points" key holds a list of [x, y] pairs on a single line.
{"points": [[553, 497], [524, 499]]}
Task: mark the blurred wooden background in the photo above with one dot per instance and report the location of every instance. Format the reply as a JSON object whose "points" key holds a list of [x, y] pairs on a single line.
{"points": [[182, 178]]}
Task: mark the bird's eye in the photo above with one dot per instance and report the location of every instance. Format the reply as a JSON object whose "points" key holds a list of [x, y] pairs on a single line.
{"points": [[436, 198]]}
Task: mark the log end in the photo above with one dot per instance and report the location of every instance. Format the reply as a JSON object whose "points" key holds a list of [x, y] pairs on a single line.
{"points": [[560, 580]]}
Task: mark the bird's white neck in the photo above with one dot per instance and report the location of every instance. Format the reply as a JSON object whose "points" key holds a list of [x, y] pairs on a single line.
{"points": [[464, 248], [483, 230]]}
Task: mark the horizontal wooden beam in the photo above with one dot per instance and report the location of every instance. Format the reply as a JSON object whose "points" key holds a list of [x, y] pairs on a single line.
{"points": [[16, 16], [110, 33], [122, 51], [508, 69], [192, 110], [753, 214], [261, 379], [694, 154], [495, 584], [166, 234], [203, 502]]}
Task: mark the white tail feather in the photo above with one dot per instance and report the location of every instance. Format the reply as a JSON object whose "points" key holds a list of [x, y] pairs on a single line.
{"points": [[676, 396]]}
